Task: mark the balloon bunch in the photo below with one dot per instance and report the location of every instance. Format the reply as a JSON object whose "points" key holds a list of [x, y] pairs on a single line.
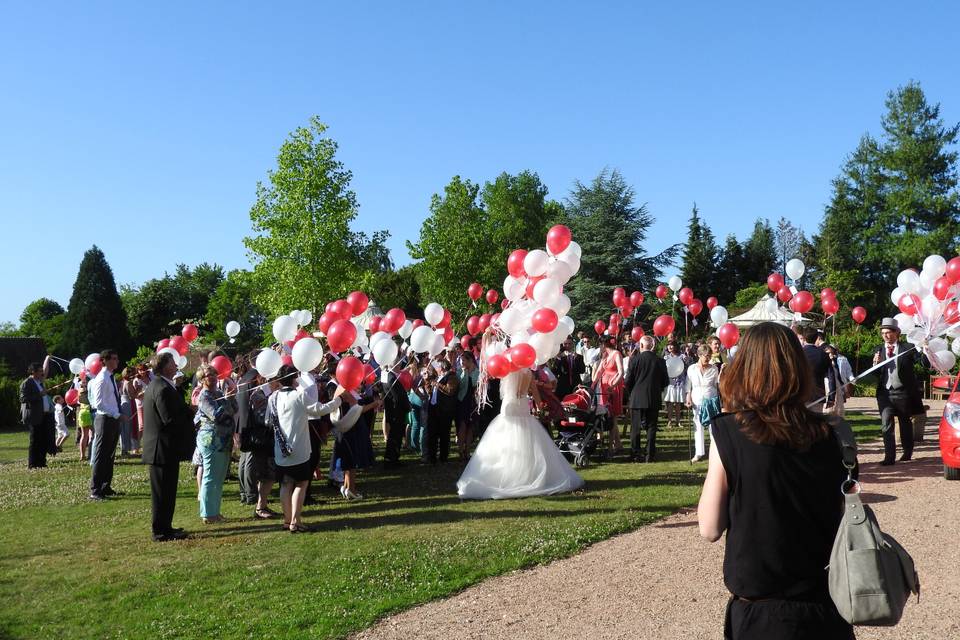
{"points": [[928, 303], [536, 322], [798, 301], [176, 346], [625, 307]]}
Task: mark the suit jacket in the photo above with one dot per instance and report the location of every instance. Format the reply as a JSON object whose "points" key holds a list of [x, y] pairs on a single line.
{"points": [[168, 435], [31, 403], [568, 368], [819, 367], [645, 380], [907, 375]]}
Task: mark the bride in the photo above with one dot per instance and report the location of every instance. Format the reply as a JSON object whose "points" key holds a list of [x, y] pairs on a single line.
{"points": [[516, 456]]}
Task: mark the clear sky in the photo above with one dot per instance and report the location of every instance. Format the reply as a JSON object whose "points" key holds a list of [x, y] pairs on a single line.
{"points": [[144, 127]]}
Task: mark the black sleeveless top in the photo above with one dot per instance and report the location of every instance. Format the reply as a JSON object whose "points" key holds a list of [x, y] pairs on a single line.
{"points": [[784, 508]]}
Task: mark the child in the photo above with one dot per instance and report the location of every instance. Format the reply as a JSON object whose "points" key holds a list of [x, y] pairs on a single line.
{"points": [[60, 419]]}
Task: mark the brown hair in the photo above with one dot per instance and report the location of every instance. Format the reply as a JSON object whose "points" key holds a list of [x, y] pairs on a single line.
{"points": [[767, 385]]}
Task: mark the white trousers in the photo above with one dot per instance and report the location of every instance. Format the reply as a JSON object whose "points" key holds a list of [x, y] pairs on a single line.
{"points": [[698, 445]]}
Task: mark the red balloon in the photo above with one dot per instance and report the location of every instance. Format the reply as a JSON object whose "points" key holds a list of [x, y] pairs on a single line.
{"points": [[941, 287], [695, 307], [685, 295], [369, 374], [558, 238], [504, 303], [774, 282], [465, 342], [343, 309], [350, 373], [729, 334], [72, 397], [599, 326], [329, 307], [95, 368], [951, 313], [475, 291], [498, 366], [358, 302], [289, 343], [447, 335], [522, 355], [341, 335], [473, 325], [405, 380], [953, 269], [287, 359], [802, 302], [374, 325], [619, 296], [417, 323], [830, 306], [492, 296], [636, 333], [189, 332], [327, 319], [163, 344], [482, 322], [661, 292], [445, 322], [515, 263], [393, 320], [531, 283], [909, 304], [301, 334], [626, 309], [223, 366], [827, 292], [859, 314], [614, 326], [494, 318], [663, 325], [181, 345], [636, 298], [712, 302], [784, 294]]}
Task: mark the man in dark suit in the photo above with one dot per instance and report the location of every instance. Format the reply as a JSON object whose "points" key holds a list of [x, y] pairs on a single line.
{"points": [[819, 364], [645, 381], [568, 367], [34, 414], [898, 395], [167, 439]]}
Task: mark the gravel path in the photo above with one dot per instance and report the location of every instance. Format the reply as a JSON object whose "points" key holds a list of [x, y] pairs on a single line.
{"points": [[663, 581]]}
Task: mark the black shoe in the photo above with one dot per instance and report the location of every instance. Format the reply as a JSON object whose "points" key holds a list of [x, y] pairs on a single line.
{"points": [[170, 535], [648, 459], [906, 457], [886, 463], [110, 492], [96, 497]]}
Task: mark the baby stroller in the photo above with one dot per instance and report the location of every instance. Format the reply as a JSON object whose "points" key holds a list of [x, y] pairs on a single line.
{"points": [[582, 427]]}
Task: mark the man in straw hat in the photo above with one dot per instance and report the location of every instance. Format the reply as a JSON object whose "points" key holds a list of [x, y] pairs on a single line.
{"points": [[897, 393]]}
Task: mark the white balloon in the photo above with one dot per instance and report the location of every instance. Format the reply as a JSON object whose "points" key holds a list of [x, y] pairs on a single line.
{"points": [[905, 322], [232, 329], [719, 315], [535, 264], [927, 279], [511, 320], [385, 352], [438, 345], [405, 329], [181, 362], [931, 309], [520, 337], [936, 265], [573, 249], [268, 363], [675, 365], [542, 343], [76, 366], [361, 338], [94, 358], [562, 305], [546, 291], [378, 336], [284, 328], [572, 261], [496, 347], [937, 344], [769, 305], [795, 269], [559, 271], [513, 288], [421, 340], [307, 354], [675, 283], [173, 352], [955, 347], [433, 313], [895, 296], [568, 325], [943, 360], [908, 281]]}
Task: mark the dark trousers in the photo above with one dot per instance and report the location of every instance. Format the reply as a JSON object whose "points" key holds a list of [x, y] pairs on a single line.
{"points": [[438, 435], [784, 620], [643, 421], [106, 433], [163, 496], [899, 407], [41, 437], [395, 432]]}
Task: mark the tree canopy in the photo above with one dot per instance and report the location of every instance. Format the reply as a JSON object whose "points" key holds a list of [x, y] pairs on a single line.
{"points": [[95, 317]]}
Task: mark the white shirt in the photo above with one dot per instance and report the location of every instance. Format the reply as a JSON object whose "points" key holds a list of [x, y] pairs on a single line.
{"points": [[293, 412], [846, 373], [702, 384], [102, 393]]}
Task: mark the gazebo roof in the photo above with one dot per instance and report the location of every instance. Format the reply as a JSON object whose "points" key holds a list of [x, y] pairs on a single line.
{"points": [[759, 314]]}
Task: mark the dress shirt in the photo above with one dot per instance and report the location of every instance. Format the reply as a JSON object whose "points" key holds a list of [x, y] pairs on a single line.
{"points": [[702, 383], [103, 395], [293, 410]]}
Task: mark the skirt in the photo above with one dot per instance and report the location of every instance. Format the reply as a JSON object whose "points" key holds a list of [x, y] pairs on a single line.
{"points": [[294, 473], [675, 393]]}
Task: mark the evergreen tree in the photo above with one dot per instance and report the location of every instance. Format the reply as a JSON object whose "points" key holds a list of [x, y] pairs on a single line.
{"points": [[95, 317], [787, 240], [759, 254], [699, 258], [611, 230], [729, 271]]}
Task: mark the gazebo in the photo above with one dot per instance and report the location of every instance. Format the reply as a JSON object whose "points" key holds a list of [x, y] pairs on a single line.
{"points": [[759, 313]]}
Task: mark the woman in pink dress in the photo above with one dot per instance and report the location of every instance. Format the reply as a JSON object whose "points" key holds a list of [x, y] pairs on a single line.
{"points": [[608, 380]]}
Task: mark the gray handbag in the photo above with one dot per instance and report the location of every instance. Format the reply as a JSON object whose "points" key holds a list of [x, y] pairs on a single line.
{"points": [[870, 575]]}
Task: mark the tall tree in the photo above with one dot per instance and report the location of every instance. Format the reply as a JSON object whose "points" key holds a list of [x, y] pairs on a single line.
{"points": [[611, 231], [787, 241], [398, 289], [303, 251], [759, 254], [729, 271], [44, 318], [232, 300], [699, 257], [95, 316]]}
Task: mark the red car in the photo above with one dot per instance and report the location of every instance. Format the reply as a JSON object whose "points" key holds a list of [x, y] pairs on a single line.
{"points": [[950, 428]]}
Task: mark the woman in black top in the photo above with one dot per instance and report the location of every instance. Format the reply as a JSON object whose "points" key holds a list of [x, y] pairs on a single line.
{"points": [[774, 486]]}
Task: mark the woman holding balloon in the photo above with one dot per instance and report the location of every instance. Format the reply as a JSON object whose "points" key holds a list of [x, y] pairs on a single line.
{"points": [[608, 380]]}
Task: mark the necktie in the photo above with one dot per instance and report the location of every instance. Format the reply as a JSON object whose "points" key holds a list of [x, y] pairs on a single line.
{"points": [[116, 392], [570, 369], [889, 351]]}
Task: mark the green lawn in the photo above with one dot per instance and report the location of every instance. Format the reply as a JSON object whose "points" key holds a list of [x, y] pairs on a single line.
{"points": [[74, 569]]}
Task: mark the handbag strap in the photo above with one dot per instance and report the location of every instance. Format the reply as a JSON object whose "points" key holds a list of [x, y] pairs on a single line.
{"points": [[848, 446]]}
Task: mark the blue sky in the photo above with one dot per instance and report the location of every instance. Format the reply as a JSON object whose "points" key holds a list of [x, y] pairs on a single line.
{"points": [[144, 129]]}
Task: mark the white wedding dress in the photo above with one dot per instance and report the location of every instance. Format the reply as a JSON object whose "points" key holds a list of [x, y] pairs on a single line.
{"points": [[516, 457]]}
